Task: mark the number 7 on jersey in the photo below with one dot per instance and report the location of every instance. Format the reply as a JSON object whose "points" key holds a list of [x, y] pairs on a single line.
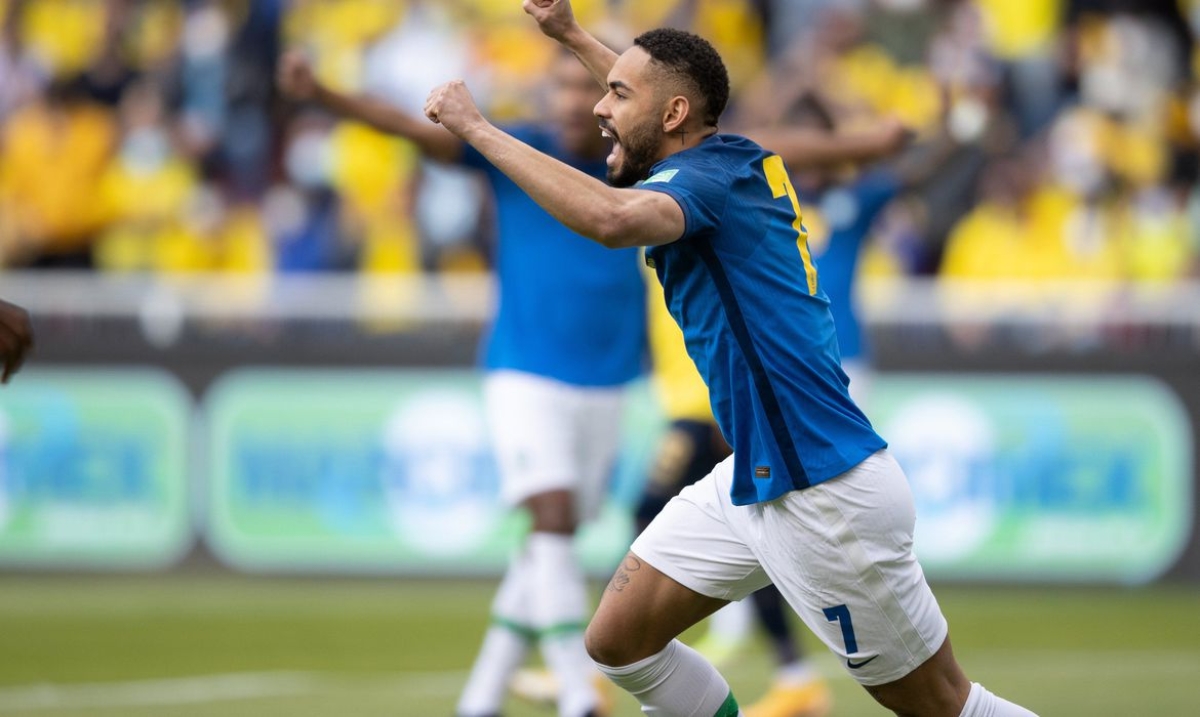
{"points": [[781, 184]]}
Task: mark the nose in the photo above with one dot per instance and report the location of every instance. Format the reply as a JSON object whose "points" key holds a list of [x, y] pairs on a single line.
{"points": [[601, 108]]}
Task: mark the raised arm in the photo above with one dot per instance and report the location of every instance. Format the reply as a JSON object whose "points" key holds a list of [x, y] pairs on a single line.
{"points": [[296, 80], [557, 21], [806, 148], [613, 217]]}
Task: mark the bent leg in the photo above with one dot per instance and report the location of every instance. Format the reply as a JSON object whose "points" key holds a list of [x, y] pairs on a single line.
{"points": [[632, 640], [937, 687], [641, 611], [940, 688], [688, 563], [841, 553]]}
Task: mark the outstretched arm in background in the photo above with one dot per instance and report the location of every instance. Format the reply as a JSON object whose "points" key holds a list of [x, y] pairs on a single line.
{"points": [[804, 148], [16, 338], [557, 21], [296, 80], [610, 216]]}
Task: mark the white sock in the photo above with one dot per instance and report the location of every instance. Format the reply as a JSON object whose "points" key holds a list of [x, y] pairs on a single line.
{"points": [[733, 622], [981, 703], [676, 682], [505, 644], [559, 607]]}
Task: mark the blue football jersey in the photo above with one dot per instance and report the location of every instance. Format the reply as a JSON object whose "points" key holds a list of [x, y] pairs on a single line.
{"points": [[568, 308], [744, 289]]}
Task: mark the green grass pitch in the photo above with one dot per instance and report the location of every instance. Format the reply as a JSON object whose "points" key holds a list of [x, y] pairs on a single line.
{"points": [[191, 645]]}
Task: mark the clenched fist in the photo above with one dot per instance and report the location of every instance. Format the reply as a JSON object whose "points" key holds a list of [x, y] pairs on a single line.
{"points": [[16, 338], [554, 17], [295, 77], [452, 106]]}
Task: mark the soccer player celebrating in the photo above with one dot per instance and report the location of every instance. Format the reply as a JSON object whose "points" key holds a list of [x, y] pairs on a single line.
{"points": [[810, 498], [16, 338], [693, 444], [568, 334]]}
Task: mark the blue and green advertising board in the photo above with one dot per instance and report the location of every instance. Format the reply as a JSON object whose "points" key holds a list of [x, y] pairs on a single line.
{"points": [[1052, 478], [1015, 477], [376, 471], [94, 469]]}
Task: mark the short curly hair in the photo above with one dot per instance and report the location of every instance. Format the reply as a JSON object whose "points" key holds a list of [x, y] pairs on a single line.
{"points": [[694, 61]]}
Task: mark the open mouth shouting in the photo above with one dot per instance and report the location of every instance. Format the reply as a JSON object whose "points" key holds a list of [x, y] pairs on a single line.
{"points": [[607, 131]]}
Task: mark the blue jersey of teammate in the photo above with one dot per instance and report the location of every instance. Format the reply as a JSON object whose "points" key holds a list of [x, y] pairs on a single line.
{"points": [[568, 309], [744, 290], [849, 211]]}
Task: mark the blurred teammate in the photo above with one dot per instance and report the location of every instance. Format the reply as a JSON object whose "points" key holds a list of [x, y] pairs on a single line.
{"points": [[810, 500], [568, 335], [16, 338]]}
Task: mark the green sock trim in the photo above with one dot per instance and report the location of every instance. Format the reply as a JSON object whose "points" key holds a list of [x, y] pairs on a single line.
{"points": [[564, 628], [524, 631], [729, 708], [532, 633]]}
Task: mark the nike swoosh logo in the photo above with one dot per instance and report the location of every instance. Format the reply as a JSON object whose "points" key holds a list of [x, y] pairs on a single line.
{"points": [[855, 665]]}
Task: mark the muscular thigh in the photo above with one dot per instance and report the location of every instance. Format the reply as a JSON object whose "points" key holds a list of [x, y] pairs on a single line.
{"points": [[688, 563], [642, 610]]}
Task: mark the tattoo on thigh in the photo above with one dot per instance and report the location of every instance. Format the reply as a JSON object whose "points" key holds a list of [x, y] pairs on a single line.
{"points": [[620, 579]]}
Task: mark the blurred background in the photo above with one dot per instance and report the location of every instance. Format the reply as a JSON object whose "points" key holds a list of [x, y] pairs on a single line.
{"points": [[246, 470]]}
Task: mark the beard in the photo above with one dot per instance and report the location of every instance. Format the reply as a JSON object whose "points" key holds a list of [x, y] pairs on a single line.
{"points": [[639, 147]]}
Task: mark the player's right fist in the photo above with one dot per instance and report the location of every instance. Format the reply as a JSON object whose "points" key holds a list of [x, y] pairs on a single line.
{"points": [[554, 17], [295, 76], [16, 338]]}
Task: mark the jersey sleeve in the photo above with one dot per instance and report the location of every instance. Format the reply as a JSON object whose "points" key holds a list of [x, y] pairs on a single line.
{"points": [[700, 189]]}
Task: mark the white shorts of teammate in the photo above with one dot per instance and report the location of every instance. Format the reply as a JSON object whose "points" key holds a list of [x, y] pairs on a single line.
{"points": [[840, 552], [548, 435], [861, 378]]}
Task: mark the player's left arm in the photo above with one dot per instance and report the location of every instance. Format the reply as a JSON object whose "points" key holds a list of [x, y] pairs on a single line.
{"points": [[613, 217], [557, 21]]}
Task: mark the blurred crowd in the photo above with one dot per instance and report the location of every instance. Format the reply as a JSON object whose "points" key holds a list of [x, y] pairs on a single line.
{"points": [[148, 136]]}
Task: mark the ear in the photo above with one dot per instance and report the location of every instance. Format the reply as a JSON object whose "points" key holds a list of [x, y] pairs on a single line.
{"points": [[676, 114]]}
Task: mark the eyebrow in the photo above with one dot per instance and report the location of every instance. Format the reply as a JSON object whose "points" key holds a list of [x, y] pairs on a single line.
{"points": [[618, 85]]}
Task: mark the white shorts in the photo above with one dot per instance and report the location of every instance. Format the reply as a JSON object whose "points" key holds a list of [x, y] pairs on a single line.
{"points": [[840, 552], [549, 435]]}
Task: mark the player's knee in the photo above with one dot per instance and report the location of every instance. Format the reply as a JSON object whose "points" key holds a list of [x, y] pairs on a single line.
{"points": [[558, 524], [605, 647], [553, 512], [597, 645]]}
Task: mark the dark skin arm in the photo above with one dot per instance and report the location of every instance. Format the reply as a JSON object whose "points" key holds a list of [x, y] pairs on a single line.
{"points": [[16, 338], [296, 80], [804, 148], [556, 20], [608, 215]]}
